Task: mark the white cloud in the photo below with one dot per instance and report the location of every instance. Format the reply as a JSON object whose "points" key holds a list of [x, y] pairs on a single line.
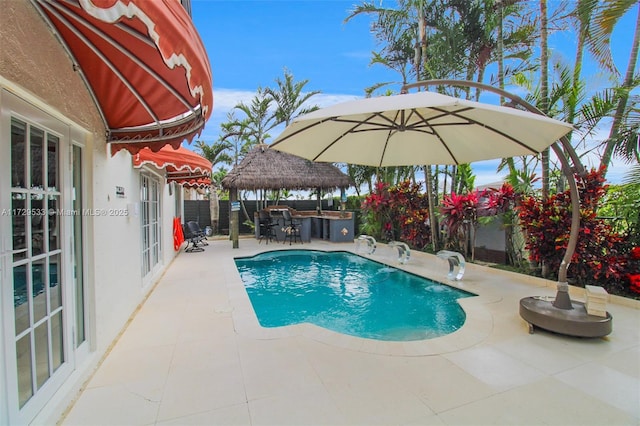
{"points": [[226, 99]]}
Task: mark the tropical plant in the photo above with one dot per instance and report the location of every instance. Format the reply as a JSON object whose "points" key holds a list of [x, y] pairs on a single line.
{"points": [[216, 154], [397, 213], [606, 17], [600, 259], [462, 213], [290, 99], [258, 119]]}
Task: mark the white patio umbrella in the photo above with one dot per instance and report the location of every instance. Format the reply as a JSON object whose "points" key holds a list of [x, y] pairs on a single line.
{"points": [[427, 128], [417, 129]]}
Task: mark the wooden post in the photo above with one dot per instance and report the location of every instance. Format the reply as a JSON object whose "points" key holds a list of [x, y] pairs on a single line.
{"points": [[234, 225]]}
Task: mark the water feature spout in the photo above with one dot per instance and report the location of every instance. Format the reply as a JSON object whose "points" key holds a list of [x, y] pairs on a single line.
{"points": [[369, 241], [456, 262], [403, 251]]}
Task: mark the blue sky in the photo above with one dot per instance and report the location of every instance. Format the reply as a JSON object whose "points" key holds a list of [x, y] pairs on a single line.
{"points": [[251, 42]]}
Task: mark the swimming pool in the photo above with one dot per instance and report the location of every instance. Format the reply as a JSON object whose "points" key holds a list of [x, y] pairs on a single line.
{"points": [[348, 294]]}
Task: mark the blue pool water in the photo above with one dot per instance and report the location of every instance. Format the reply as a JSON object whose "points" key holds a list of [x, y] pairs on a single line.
{"points": [[348, 294]]}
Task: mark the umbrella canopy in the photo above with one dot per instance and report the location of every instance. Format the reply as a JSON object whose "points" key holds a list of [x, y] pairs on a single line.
{"points": [[182, 165], [264, 168], [417, 128], [145, 66]]}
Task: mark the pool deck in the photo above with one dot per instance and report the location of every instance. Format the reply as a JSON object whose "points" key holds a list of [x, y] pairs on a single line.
{"points": [[194, 354]]}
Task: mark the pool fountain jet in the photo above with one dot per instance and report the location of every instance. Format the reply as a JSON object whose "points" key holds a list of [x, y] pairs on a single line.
{"points": [[367, 241], [404, 253], [456, 264]]}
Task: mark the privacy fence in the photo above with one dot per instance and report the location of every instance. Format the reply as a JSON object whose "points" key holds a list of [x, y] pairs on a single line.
{"points": [[198, 210]]}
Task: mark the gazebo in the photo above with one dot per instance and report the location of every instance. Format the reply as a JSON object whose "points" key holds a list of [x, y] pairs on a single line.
{"points": [[265, 168]]}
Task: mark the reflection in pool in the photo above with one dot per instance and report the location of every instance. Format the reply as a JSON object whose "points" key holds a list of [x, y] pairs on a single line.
{"points": [[348, 294]]}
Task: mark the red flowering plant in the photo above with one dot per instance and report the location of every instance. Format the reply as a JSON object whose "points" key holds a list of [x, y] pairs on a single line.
{"points": [[376, 213], [634, 276], [398, 212], [461, 214], [410, 208], [599, 257]]}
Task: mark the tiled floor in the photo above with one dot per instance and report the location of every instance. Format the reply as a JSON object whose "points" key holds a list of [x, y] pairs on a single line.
{"points": [[195, 354]]}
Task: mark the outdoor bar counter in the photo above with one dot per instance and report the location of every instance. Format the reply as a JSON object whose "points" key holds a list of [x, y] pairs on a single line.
{"points": [[334, 226]]}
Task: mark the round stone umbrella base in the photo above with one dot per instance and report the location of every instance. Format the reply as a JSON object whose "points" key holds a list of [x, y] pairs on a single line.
{"points": [[540, 312]]}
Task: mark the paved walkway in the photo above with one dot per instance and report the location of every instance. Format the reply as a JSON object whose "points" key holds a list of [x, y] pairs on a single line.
{"points": [[195, 354]]}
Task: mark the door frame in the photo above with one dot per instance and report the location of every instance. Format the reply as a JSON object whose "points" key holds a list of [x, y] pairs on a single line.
{"points": [[32, 111]]}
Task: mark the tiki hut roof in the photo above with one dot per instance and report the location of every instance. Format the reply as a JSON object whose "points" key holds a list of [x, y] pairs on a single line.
{"points": [[264, 168]]}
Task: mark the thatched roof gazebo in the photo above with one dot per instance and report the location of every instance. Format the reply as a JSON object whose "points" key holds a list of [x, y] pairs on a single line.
{"points": [[265, 168]]}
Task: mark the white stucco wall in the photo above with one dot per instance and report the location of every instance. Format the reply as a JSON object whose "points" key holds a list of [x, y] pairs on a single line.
{"points": [[116, 245], [34, 66]]}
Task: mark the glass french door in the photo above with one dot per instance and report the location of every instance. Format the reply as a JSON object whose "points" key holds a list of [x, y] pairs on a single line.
{"points": [[37, 266], [36, 256], [150, 218]]}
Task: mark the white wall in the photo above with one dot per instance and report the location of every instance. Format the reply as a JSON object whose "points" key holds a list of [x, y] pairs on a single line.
{"points": [[36, 68]]}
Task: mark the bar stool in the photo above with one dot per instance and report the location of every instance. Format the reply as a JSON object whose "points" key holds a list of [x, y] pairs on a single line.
{"points": [[267, 227], [291, 228]]}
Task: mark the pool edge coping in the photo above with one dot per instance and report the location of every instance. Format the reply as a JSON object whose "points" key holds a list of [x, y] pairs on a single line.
{"points": [[477, 327]]}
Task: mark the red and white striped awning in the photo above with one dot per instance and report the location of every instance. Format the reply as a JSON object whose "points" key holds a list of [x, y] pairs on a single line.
{"points": [[182, 165], [144, 63]]}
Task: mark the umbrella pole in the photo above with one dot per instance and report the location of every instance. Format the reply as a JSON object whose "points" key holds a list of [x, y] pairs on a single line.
{"points": [[562, 301]]}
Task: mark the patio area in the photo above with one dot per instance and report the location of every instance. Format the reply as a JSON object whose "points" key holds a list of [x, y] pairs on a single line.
{"points": [[194, 353]]}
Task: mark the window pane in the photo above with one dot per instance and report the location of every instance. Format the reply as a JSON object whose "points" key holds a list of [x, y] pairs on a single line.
{"points": [[42, 353], [38, 290], [18, 155], [54, 222], [20, 298], [156, 255], [36, 216], [52, 162], [153, 212], [78, 273], [55, 290], [37, 164], [25, 378], [18, 219], [57, 347]]}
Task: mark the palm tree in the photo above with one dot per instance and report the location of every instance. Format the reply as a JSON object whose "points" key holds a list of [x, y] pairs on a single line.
{"points": [[259, 118], [605, 21], [233, 133], [216, 154], [544, 89], [290, 99]]}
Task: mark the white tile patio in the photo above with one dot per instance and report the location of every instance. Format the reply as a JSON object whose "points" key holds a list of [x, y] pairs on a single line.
{"points": [[194, 354]]}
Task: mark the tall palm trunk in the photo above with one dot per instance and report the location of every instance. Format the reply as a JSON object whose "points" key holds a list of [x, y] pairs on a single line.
{"points": [[624, 97], [544, 89], [214, 208], [433, 219]]}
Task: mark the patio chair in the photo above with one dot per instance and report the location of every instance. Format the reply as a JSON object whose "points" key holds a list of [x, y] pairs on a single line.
{"points": [[291, 228], [267, 227], [195, 237]]}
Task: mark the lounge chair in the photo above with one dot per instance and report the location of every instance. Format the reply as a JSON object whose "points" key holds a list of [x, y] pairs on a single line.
{"points": [[195, 237]]}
